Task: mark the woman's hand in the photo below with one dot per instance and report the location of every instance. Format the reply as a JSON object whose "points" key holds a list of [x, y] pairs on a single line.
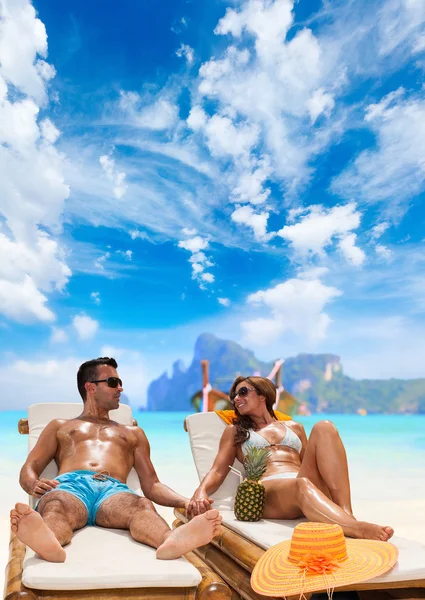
{"points": [[198, 504], [41, 486]]}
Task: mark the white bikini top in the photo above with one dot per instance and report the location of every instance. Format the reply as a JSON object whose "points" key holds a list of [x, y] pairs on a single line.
{"points": [[291, 440]]}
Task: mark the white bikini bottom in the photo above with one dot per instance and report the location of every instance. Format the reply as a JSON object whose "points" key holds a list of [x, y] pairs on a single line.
{"points": [[280, 476]]}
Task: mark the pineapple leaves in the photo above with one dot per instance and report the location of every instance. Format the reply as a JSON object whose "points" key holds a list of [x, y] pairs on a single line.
{"points": [[255, 462]]}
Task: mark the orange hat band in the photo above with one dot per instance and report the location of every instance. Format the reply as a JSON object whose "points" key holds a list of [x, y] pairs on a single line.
{"points": [[329, 541]]}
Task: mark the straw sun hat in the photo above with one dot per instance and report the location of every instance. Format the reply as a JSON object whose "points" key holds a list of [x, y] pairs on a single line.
{"points": [[318, 557]]}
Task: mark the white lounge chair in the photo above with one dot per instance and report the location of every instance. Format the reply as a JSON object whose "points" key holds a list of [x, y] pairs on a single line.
{"points": [[106, 564], [235, 553]]}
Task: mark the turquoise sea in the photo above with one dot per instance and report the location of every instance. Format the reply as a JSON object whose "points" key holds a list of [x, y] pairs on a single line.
{"points": [[386, 444]]}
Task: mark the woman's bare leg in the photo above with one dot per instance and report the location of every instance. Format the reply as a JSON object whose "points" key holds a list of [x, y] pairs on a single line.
{"points": [[325, 464], [292, 498]]}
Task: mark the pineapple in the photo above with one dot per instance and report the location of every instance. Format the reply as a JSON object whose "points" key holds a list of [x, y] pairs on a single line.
{"points": [[250, 495]]}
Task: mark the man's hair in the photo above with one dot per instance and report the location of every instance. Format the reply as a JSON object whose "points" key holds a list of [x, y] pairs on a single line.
{"points": [[88, 372]]}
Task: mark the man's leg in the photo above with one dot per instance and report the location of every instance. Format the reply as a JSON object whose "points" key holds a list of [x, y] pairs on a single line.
{"points": [[46, 531], [138, 515]]}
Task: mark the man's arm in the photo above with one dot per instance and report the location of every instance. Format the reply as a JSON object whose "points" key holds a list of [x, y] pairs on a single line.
{"points": [[152, 488], [38, 459]]}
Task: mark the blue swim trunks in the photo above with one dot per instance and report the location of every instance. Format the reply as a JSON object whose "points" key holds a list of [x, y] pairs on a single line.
{"points": [[91, 488]]}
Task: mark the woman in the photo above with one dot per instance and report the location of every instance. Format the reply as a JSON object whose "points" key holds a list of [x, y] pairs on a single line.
{"points": [[303, 478]]}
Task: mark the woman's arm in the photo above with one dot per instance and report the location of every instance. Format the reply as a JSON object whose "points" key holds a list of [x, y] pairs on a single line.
{"points": [[201, 501]]}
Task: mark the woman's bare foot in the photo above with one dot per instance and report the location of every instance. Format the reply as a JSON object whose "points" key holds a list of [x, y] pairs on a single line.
{"points": [[369, 531], [33, 532], [197, 532]]}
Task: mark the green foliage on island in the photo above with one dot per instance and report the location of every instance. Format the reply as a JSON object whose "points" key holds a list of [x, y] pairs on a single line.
{"points": [[314, 379]]}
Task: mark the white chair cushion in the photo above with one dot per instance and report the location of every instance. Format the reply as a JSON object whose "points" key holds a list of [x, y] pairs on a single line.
{"points": [[205, 431], [99, 558]]}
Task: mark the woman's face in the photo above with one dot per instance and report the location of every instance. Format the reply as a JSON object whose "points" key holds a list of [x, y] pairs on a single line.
{"points": [[246, 399]]}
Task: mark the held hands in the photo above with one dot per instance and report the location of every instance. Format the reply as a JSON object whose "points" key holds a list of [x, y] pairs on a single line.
{"points": [[198, 504], [41, 486]]}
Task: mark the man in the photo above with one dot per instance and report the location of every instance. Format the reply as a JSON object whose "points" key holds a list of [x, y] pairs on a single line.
{"points": [[95, 455]]}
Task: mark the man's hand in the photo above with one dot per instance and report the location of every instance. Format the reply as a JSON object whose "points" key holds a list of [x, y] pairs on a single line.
{"points": [[198, 504], [41, 486]]}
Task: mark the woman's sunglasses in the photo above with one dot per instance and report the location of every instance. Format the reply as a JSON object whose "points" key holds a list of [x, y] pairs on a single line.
{"points": [[242, 393], [112, 382]]}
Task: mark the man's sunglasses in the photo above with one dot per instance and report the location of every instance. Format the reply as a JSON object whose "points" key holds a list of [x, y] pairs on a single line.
{"points": [[112, 382], [242, 393]]}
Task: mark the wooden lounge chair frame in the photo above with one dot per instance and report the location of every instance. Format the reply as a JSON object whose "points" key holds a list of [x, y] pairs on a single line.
{"points": [[233, 557], [212, 585]]}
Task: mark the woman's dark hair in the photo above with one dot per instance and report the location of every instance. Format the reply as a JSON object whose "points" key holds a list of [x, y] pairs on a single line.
{"points": [[88, 372], [263, 387]]}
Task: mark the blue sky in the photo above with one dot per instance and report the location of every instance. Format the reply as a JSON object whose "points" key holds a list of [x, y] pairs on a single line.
{"points": [[255, 169]]}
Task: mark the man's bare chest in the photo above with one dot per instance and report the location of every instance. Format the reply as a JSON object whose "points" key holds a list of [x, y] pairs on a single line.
{"points": [[81, 433]]}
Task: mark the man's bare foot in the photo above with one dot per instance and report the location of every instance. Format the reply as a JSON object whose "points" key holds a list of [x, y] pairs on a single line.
{"points": [[369, 531], [33, 532], [197, 532]]}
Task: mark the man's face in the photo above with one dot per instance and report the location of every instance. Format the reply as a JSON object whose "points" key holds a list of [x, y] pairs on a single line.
{"points": [[107, 397]]}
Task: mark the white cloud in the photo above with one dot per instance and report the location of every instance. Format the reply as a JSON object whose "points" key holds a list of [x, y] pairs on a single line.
{"points": [[377, 232], [297, 306], [194, 244], [245, 215], [269, 91], [41, 259], [224, 301], [59, 336], [22, 67], [383, 251], [318, 228], [32, 188], [127, 254], [116, 177], [189, 232], [48, 131], [395, 171], [198, 259], [197, 118], [269, 22], [135, 234], [187, 52], [225, 138], [351, 252], [379, 229], [85, 326], [23, 302], [95, 296], [250, 183], [158, 115], [208, 277], [319, 103], [100, 262], [401, 26]]}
